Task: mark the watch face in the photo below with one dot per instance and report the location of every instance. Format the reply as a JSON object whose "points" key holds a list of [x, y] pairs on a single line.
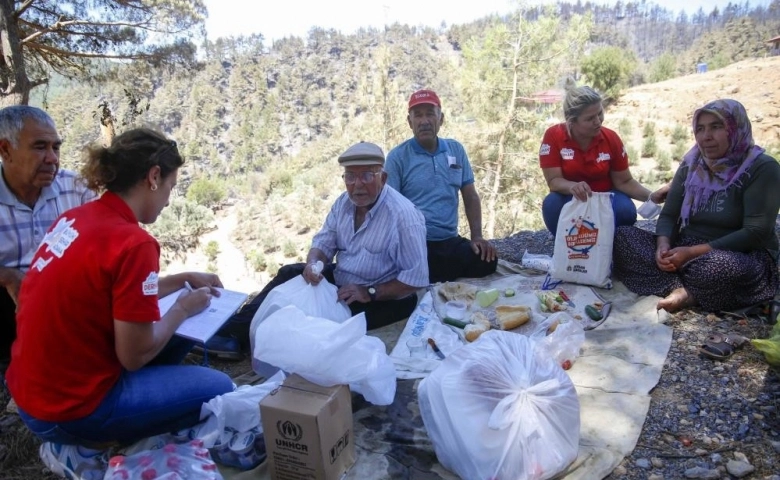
{"points": [[371, 291]]}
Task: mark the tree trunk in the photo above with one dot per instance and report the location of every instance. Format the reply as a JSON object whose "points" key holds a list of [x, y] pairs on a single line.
{"points": [[14, 84]]}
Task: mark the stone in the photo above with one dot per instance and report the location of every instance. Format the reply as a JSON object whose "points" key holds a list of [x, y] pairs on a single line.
{"points": [[643, 463], [619, 471], [655, 476], [738, 468], [657, 462], [776, 446], [700, 472]]}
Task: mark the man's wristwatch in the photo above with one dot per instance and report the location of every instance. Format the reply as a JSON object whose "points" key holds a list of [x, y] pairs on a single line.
{"points": [[372, 293]]}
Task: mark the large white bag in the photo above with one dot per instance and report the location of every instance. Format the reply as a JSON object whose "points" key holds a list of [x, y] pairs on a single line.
{"points": [[327, 353], [315, 301], [501, 408], [583, 241]]}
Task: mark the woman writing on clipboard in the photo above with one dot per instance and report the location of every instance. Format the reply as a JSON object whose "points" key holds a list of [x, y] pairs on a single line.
{"points": [[94, 364]]}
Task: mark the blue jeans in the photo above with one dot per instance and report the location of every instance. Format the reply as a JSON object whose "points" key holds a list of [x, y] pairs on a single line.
{"points": [[159, 398], [622, 206]]}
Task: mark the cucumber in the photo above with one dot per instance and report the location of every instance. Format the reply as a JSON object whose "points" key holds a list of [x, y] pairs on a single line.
{"points": [[593, 312], [509, 292], [455, 323]]}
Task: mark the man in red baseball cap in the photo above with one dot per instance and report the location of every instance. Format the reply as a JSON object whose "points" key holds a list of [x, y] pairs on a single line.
{"points": [[431, 171]]}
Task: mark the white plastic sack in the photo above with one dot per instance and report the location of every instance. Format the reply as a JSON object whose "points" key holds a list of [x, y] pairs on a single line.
{"points": [[316, 301], [565, 342], [583, 241], [326, 352], [501, 408]]}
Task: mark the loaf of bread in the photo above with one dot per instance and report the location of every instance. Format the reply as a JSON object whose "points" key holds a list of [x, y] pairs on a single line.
{"points": [[512, 316], [474, 330]]}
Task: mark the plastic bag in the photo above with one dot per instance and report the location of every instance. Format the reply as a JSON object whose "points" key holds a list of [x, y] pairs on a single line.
{"points": [[316, 301], [565, 340], [327, 353], [583, 242], [770, 347], [536, 261], [171, 462], [501, 407]]}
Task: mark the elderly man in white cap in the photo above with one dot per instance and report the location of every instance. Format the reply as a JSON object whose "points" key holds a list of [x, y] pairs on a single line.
{"points": [[372, 246]]}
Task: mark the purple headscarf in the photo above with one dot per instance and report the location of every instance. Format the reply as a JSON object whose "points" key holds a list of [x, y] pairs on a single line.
{"points": [[704, 180]]}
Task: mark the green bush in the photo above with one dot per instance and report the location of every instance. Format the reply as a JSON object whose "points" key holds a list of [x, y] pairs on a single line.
{"points": [[633, 155], [648, 130], [679, 150], [179, 227], [273, 267], [257, 260], [625, 128], [211, 267], [290, 249], [607, 69], [649, 147], [679, 134], [212, 250], [663, 68], [206, 192], [663, 161]]}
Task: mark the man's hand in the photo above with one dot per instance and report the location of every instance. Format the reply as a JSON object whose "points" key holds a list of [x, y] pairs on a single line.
{"points": [[483, 248], [12, 281], [311, 276], [581, 191], [195, 301], [354, 293]]}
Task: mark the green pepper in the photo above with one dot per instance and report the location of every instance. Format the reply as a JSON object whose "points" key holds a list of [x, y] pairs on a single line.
{"points": [[593, 312], [455, 323]]}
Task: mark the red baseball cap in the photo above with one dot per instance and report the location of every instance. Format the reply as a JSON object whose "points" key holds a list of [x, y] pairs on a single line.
{"points": [[424, 97]]}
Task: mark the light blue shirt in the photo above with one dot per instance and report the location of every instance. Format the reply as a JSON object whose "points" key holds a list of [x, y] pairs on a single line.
{"points": [[22, 228], [431, 181], [389, 245]]}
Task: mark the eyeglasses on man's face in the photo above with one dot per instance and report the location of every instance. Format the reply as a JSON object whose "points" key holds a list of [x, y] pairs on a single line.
{"points": [[365, 177]]}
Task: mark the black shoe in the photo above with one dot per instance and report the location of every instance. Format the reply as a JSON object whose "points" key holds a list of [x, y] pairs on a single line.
{"points": [[221, 348]]}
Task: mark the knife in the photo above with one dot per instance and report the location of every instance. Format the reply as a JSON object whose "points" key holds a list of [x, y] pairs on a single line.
{"points": [[566, 299], [435, 348]]}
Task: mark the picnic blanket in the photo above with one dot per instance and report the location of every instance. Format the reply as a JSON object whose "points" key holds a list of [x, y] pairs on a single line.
{"points": [[621, 362]]}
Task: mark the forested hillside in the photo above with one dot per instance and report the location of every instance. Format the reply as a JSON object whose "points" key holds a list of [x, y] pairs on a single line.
{"points": [[261, 123]]}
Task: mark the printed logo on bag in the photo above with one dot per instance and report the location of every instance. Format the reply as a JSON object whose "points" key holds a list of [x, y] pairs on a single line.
{"points": [[544, 150], [581, 237], [291, 433], [149, 285], [567, 154], [339, 447], [603, 157]]}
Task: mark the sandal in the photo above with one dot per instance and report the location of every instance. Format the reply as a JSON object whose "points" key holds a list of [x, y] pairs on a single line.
{"points": [[720, 346]]}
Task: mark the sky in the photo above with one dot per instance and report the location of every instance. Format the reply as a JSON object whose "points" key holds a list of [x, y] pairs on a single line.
{"points": [[278, 19]]}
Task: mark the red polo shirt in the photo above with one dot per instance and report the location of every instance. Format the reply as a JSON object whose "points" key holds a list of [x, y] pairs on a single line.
{"points": [[604, 154], [94, 265]]}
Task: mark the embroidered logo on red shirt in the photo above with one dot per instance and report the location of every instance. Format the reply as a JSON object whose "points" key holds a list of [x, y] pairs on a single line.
{"points": [[149, 285], [544, 150], [567, 154], [603, 157]]}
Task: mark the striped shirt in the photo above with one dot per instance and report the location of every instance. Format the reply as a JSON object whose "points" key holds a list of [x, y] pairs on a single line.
{"points": [[389, 245], [22, 228]]}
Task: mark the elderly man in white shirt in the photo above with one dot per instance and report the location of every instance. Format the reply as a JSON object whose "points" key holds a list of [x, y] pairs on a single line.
{"points": [[372, 246], [34, 191]]}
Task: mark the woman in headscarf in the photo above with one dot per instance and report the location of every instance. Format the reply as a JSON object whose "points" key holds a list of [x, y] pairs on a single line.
{"points": [[715, 244]]}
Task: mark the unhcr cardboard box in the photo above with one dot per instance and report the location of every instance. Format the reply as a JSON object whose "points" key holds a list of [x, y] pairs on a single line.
{"points": [[308, 430]]}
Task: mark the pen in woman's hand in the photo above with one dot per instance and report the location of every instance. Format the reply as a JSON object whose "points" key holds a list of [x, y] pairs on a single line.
{"points": [[188, 286]]}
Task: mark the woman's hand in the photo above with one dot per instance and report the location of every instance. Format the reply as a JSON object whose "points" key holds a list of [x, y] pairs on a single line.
{"points": [[581, 191], [661, 253], [659, 196], [679, 256], [195, 301], [203, 279]]}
